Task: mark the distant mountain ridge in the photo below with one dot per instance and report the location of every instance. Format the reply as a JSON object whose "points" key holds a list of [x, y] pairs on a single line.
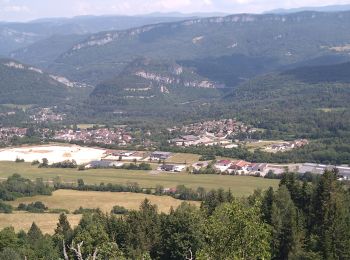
{"points": [[328, 8], [14, 35], [284, 39]]}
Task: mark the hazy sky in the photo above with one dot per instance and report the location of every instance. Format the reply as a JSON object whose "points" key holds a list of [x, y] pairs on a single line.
{"points": [[22, 10]]}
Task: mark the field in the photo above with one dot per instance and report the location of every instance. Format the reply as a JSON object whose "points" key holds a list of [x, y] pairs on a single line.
{"points": [[239, 185], [86, 126], [46, 222], [262, 144], [183, 158], [16, 106], [72, 200]]}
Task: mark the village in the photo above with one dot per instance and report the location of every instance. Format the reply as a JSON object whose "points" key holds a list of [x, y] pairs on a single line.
{"points": [[208, 133], [44, 115], [8, 133], [116, 136], [224, 133]]}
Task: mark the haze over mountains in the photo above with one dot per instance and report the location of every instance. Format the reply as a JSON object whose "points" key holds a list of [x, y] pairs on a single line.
{"points": [[19, 35], [328, 8]]}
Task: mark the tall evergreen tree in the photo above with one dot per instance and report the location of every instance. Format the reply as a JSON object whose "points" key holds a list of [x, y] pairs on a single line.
{"points": [[331, 212], [34, 233], [286, 234], [143, 230]]}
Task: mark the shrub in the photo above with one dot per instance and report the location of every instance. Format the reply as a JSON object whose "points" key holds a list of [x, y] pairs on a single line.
{"points": [[59, 211], [35, 162], [34, 207], [18, 160], [119, 210], [5, 208], [82, 210]]}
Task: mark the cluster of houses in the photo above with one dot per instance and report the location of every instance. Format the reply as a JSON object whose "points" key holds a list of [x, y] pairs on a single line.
{"points": [[46, 115], [239, 167], [215, 132], [8, 133], [116, 155], [120, 155], [99, 136], [207, 139], [285, 146], [217, 127], [117, 158]]}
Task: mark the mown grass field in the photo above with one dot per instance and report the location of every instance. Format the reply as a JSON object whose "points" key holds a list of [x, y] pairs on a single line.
{"points": [[239, 185], [262, 144], [183, 158], [72, 200], [86, 126], [23, 220]]}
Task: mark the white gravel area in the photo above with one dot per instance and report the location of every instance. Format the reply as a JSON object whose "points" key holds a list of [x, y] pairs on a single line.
{"points": [[54, 153]]}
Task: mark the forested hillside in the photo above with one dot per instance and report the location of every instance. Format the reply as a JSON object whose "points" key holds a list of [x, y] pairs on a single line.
{"points": [[312, 101], [24, 84], [147, 86], [257, 39], [308, 102]]}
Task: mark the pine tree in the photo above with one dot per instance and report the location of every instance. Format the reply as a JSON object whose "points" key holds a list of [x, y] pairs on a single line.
{"points": [[286, 235], [63, 228], [266, 207], [34, 233], [331, 212], [143, 230]]}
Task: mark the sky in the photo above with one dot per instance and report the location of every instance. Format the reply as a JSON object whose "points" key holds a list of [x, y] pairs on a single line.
{"points": [[24, 10]]}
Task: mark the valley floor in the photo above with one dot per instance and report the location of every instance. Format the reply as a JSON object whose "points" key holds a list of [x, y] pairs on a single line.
{"points": [[239, 185]]}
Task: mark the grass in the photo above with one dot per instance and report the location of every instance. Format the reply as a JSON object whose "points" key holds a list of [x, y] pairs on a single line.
{"points": [[261, 144], [23, 220], [239, 185], [182, 158], [16, 106], [72, 200], [330, 110], [86, 126]]}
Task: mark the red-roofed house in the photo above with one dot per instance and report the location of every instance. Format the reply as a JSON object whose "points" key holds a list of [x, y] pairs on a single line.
{"points": [[241, 166], [223, 165]]}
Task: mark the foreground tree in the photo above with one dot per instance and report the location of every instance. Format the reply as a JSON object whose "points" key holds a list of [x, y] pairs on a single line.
{"points": [[142, 230], [181, 230], [286, 226], [331, 212], [236, 231]]}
